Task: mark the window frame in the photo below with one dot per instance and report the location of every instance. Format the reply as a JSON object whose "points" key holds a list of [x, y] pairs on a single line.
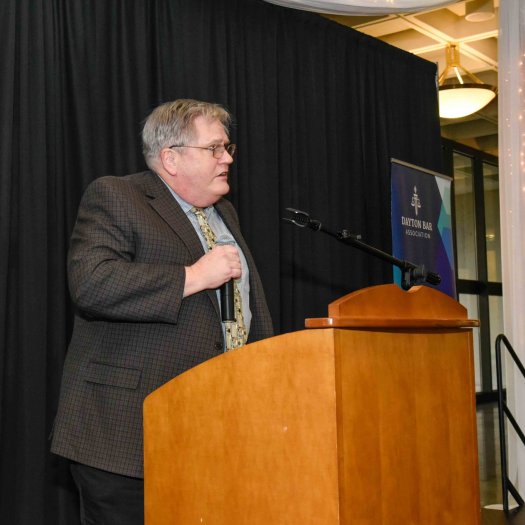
{"points": [[481, 287]]}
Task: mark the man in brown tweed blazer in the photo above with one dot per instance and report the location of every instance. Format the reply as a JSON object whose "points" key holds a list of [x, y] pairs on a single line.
{"points": [[144, 283]]}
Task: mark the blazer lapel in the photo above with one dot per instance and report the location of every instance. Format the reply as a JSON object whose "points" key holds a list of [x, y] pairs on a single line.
{"points": [[168, 208], [161, 200]]}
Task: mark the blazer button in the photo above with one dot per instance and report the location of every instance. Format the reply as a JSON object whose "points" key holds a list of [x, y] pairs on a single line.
{"points": [[218, 345]]}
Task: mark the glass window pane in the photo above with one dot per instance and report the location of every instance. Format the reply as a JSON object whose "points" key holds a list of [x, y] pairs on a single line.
{"points": [[465, 217], [496, 328], [470, 302], [492, 231]]}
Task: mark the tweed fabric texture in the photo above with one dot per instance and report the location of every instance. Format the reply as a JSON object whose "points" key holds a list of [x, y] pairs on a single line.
{"points": [[133, 329]]}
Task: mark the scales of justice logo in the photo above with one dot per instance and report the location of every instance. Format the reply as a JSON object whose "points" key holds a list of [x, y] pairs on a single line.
{"points": [[416, 201], [417, 226]]}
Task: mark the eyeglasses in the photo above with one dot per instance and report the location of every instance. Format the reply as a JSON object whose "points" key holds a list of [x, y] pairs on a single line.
{"points": [[217, 150]]}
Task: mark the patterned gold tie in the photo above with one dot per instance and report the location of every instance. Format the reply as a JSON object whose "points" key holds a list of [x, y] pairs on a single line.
{"points": [[236, 335]]}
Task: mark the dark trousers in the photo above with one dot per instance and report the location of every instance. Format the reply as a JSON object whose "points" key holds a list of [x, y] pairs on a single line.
{"points": [[107, 498]]}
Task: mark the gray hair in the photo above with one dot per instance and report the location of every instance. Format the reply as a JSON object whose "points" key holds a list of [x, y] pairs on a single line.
{"points": [[172, 123]]}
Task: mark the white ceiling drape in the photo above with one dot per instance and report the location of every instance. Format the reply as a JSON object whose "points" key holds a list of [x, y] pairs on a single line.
{"points": [[361, 7], [511, 103]]}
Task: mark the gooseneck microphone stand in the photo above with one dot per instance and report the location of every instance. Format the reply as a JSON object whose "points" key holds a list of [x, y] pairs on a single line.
{"points": [[412, 273]]}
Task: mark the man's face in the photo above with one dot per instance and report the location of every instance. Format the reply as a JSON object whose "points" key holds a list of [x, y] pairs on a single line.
{"points": [[201, 179]]}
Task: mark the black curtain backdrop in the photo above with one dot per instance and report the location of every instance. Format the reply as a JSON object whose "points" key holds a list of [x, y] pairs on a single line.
{"points": [[320, 110]]}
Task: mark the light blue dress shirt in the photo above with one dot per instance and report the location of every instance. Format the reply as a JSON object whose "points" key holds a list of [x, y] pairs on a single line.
{"points": [[221, 232]]}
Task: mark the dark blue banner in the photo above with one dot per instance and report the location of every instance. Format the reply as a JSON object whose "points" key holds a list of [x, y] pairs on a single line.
{"points": [[422, 222]]}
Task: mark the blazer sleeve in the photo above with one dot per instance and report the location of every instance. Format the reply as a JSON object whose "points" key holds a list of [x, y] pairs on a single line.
{"points": [[108, 278]]}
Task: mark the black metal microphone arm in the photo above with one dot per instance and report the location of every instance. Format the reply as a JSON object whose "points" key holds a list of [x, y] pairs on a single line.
{"points": [[412, 273]]}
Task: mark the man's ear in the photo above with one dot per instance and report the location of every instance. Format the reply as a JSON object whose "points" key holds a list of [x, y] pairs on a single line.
{"points": [[168, 159]]}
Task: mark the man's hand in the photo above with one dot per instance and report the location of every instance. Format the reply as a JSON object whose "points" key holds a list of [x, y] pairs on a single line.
{"points": [[213, 269]]}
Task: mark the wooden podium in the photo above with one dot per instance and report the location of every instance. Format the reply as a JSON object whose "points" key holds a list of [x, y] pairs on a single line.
{"points": [[370, 420]]}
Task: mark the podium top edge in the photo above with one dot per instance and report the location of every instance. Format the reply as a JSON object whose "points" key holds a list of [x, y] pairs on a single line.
{"points": [[392, 323]]}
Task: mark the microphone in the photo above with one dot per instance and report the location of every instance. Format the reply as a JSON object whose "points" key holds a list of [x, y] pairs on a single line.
{"points": [[226, 290]]}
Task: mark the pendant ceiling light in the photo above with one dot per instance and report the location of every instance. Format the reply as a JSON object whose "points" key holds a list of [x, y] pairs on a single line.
{"points": [[479, 10], [463, 94]]}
